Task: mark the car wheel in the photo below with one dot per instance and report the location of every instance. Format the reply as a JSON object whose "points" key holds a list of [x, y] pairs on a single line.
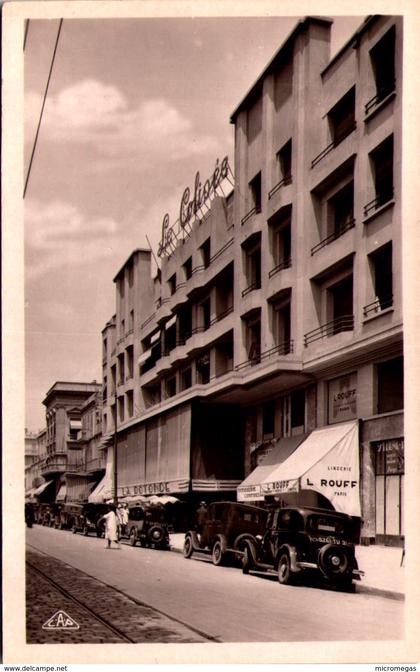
{"points": [[188, 549], [133, 537], [217, 554], [156, 535], [284, 569], [246, 560]]}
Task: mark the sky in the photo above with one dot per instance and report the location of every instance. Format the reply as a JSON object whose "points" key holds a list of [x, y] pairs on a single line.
{"points": [[135, 108]]}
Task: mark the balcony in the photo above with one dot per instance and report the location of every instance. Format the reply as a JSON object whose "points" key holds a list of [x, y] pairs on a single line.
{"points": [[333, 144], [286, 263], [343, 323], [54, 464], [254, 211], [337, 234], [380, 304], [382, 198], [95, 464], [281, 350], [287, 179], [251, 287], [383, 92]]}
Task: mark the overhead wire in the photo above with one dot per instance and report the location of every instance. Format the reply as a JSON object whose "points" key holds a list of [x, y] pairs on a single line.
{"points": [[42, 108]]}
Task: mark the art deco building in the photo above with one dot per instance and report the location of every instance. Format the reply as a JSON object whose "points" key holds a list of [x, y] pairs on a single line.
{"points": [[265, 360]]}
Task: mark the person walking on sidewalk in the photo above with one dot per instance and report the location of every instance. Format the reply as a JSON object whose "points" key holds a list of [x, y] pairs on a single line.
{"points": [[111, 527]]}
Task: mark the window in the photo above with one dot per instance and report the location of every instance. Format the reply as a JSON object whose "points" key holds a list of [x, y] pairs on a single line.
{"points": [[188, 268], [172, 284], [252, 261], [268, 416], [114, 378], [130, 404], [341, 117], [104, 349], [255, 192], [284, 157], [131, 321], [281, 324], [121, 374], [341, 305], [281, 244], [203, 369], [170, 338], [390, 385], [130, 362], [224, 355], [205, 253], [381, 161], [253, 340], [381, 270], [382, 57], [170, 387], [121, 409], [104, 390], [122, 328], [185, 324], [341, 211], [205, 310], [186, 379]]}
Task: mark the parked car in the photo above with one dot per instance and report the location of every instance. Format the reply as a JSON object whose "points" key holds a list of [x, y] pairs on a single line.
{"points": [[223, 530], [86, 521], [67, 516], [301, 540], [48, 514], [148, 525]]}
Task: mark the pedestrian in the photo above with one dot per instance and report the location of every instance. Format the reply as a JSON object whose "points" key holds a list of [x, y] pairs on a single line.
{"points": [[111, 527], [122, 515], [201, 517]]}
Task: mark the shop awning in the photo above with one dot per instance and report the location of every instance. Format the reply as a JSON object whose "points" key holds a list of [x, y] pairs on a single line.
{"points": [[250, 489], [104, 489], [41, 488], [75, 424], [61, 494], [326, 462]]}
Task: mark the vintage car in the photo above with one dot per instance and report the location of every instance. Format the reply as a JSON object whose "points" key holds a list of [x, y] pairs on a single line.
{"points": [[67, 515], [48, 514], [224, 530], [86, 521], [148, 526], [302, 540]]}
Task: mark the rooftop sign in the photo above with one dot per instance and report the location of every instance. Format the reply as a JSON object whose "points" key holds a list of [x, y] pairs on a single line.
{"points": [[190, 208]]}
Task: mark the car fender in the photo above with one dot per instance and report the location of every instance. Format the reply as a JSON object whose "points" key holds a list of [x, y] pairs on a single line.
{"points": [[291, 550], [242, 539], [194, 538], [251, 545]]}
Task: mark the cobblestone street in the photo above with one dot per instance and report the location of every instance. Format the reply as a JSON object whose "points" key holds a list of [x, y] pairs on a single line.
{"points": [[120, 618]]}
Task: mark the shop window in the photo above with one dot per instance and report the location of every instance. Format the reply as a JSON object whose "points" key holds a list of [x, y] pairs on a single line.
{"points": [[130, 404], [205, 253], [187, 268], [380, 263], [268, 418], [172, 284], [294, 413], [382, 57], [381, 162], [341, 117], [203, 369], [170, 387], [390, 385], [186, 379], [389, 487]]}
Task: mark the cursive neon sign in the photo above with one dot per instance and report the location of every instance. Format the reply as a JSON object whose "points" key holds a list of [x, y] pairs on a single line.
{"points": [[189, 207]]}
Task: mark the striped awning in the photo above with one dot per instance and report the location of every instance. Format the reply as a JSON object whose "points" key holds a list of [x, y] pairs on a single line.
{"points": [[41, 488], [61, 494]]}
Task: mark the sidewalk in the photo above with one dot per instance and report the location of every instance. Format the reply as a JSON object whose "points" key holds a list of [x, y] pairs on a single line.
{"points": [[381, 566]]}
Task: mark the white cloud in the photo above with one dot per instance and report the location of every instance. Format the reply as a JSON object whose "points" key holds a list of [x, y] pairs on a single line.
{"points": [[59, 236], [92, 112]]}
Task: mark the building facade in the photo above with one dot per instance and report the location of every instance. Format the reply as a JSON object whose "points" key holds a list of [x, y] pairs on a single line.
{"points": [[277, 310]]}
